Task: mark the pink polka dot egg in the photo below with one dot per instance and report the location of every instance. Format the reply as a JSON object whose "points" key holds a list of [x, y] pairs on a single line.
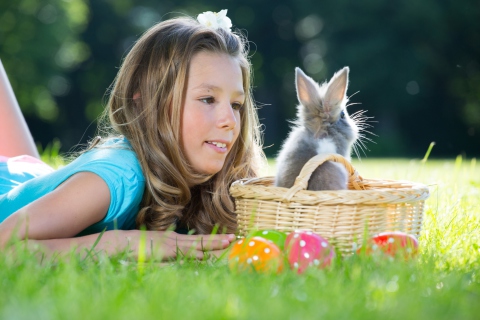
{"points": [[307, 249]]}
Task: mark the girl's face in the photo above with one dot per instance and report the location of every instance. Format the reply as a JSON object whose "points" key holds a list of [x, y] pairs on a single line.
{"points": [[211, 113]]}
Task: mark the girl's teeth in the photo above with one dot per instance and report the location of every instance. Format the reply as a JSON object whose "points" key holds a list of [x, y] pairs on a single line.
{"points": [[219, 144]]}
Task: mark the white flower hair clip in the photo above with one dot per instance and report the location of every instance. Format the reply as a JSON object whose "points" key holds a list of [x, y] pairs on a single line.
{"points": [[215, 20]]}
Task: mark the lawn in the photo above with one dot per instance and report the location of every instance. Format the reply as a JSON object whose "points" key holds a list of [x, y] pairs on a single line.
{"points": [[443, 282]]}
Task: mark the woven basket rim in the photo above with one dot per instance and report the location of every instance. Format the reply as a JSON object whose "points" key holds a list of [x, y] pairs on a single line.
{"points": [[400, 184], [377, 191]]}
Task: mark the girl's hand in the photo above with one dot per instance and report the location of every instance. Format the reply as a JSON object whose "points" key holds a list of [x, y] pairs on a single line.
{"points": [[168, 244]]}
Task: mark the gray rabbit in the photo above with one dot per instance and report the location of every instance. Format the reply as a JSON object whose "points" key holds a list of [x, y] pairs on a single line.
{"points": [[323, 126]]}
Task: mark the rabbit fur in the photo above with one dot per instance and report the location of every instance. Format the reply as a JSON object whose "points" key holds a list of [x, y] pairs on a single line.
{"points": [[323, 126]]}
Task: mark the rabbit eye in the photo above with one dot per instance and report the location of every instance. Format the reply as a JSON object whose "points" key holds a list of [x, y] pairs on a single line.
{"points": [[342, 115]]}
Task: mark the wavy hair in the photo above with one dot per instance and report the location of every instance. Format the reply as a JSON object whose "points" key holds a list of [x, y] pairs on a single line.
{"points": [[145, 106]]}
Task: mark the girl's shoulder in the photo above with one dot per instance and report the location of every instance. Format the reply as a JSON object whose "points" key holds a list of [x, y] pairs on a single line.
{"points": [[115, 153], [114, 160]]}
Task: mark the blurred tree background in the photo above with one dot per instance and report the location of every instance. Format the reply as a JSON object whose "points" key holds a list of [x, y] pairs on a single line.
{"points": [[415, 64]]}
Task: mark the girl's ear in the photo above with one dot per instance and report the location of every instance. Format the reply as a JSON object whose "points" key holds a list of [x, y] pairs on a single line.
{"points": [[137, 99], [307, 92]]}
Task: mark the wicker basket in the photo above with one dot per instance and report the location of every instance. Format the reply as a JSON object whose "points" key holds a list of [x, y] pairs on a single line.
{"points": [[341, 216]]}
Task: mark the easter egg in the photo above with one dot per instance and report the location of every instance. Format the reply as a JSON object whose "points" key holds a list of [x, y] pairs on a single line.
{"points": [[307, 249], [274, 236], [392, 244], [255, 254]]}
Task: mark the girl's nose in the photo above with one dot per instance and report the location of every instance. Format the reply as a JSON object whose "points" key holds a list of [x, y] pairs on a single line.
{"points": [[226, 116]]}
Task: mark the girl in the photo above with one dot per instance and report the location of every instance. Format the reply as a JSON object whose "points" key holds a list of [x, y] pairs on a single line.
{"points": [[184, 127]]}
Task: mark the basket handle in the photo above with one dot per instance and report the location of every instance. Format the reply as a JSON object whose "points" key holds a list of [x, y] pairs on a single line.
{"points": [[301, 182]]}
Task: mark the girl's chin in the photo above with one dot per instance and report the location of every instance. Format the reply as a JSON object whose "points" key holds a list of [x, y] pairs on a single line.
{"points": [[208, 167], [210, 170]]}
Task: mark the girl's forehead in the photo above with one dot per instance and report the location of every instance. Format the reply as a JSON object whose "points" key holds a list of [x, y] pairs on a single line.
{"points": [[208, 59], [209, 70]]}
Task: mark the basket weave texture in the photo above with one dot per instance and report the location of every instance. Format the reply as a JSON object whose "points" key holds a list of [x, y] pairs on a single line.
{"points": [[340, 216]]}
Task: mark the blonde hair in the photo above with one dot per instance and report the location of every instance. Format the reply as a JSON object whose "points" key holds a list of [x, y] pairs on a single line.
{"points": [[155, 70]]}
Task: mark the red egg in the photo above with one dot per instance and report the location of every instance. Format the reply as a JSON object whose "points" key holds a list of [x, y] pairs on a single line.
{"points": [[393, 244], [255, 254], [306, 249]]}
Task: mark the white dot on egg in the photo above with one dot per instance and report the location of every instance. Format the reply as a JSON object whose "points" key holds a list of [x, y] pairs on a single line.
{"points": [[249, 260], [240, 242], [265, 232], [306, 255], [324, 244], [252, 243], [302, 243], [391, 240], [267, 250], [295, 265], [309, 233], [255, 258], [296, 235], [316, 262]]}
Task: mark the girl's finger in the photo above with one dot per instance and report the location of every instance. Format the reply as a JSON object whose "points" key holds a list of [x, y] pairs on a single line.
{"points": [[229, 237], [202, 244], [205, 242]]}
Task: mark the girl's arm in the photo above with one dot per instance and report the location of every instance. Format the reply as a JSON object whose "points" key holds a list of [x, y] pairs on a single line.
{"points": [[156, 244], [15, 138], [83, 200]]}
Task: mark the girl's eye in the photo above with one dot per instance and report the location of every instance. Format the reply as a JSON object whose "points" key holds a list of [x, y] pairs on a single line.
{"points": [[211, 100], [208, 100], [237, 106], [342, 115]]}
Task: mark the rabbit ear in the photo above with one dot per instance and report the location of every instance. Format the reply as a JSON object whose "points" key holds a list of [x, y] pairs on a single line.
{"points": [[307, 91], [336, 91]]}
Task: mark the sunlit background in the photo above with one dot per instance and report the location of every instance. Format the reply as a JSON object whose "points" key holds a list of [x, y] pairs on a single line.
{"points": [[415, 65]]}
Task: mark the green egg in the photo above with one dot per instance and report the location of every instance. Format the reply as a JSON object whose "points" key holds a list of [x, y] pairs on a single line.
{"points": [[277, 237]]}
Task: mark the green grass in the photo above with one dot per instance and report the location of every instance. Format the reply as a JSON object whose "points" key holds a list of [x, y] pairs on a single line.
{"points": [[442, 283]]}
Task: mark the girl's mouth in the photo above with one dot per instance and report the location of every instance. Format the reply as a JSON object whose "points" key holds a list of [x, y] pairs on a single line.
{"points": [[218, 146]]}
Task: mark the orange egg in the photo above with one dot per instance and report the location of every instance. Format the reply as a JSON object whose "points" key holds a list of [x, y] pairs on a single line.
{"points": [[255, 254]]}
